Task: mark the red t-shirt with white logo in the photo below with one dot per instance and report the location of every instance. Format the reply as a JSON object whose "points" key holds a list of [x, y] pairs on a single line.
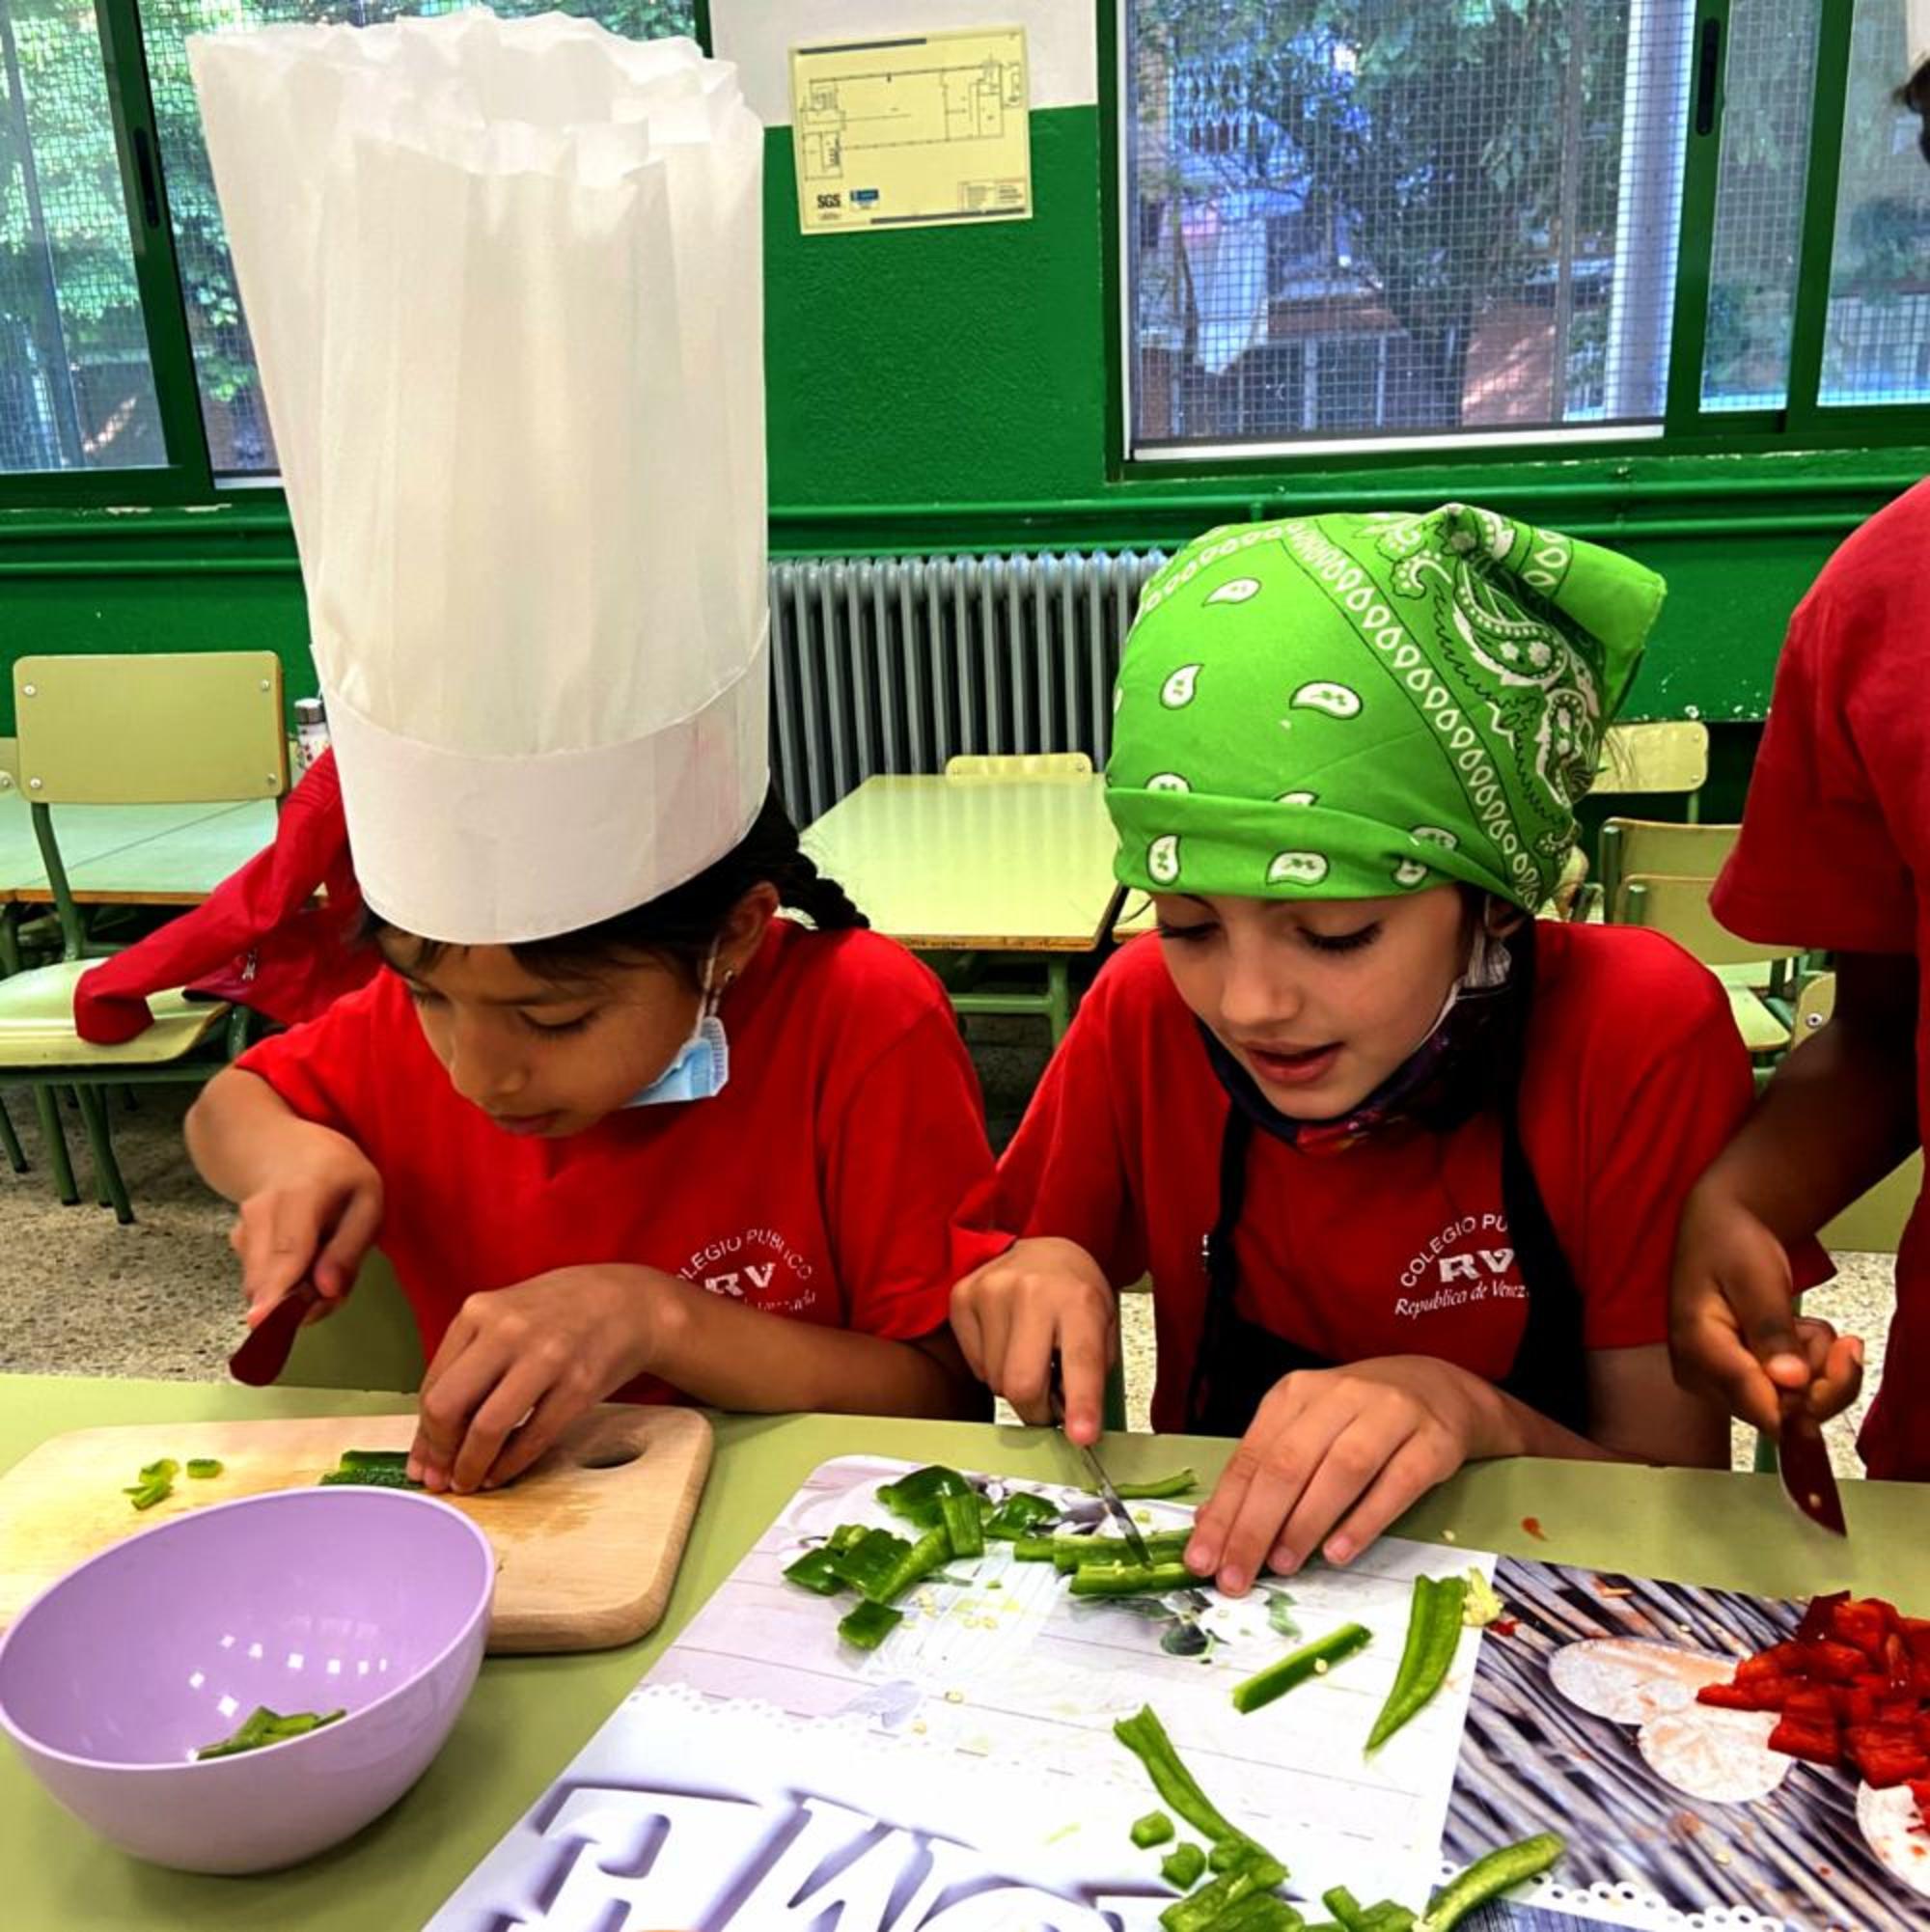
{"points": [[1835, 838], [820, 1185], [1398, 1244]]}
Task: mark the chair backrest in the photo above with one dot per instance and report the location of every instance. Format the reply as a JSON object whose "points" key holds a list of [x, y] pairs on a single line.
{"points": [[1019, 764], [372, 1343], [174, 729], [1680, 908], [1872, 1224], [1672, 756], [1660, 849]]}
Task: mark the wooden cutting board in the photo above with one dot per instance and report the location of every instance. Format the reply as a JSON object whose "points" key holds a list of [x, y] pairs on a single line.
{"points": [[587, 1544]]}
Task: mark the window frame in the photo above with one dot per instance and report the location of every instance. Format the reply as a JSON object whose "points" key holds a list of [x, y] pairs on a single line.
{"points": [[1688, 427], [189, 476]]}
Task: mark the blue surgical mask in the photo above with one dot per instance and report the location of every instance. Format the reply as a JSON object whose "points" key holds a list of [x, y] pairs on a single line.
{"points": [[701, 1067]]}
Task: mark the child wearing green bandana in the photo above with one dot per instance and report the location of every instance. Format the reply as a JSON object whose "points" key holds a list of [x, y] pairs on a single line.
{"points": [[1403, 1162]]}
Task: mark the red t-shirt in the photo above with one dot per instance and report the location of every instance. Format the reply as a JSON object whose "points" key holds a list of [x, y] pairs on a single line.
{"points": [[1398, 1244], [819, 1185], [1835, 835]]}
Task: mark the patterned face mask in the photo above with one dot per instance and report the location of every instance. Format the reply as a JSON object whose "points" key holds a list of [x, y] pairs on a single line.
{"points": [[1352, 706]]}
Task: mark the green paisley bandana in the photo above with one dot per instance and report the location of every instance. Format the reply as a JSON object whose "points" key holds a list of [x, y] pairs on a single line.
{"points": [[1347, 706]]}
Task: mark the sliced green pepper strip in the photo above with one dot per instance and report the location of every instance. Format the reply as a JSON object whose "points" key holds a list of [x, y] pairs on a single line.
{"points": [[1433, 1634], [1181, 1482], [373, 1460], [1311, 1659], [1488, 1878], [869, 1625], [264, 1727], [363, 1477], [1034, 1549], [165, 1470], [146, 1495], [931, 1552], [963, 1526], [1154, 1829], [1072, 1554], [1019, 1516], [1389, 1917], [867, 1562], [1146, 1737], [816, 1570], [1345, 1907], [202, 1466], [919, 1496], [1182, 1867], [1262, 1912], [1109, 1579]]}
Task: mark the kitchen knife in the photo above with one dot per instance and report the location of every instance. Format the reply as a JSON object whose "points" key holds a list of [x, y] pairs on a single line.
{"points": [[1803, 1458], [1116, 1509]]}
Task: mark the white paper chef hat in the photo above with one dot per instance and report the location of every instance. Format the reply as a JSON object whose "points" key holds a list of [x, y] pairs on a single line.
{"points": [[505, 283], [1918, 31]]}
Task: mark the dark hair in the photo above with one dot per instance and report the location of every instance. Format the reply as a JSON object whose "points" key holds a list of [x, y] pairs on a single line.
{"points": [[683, 923]]}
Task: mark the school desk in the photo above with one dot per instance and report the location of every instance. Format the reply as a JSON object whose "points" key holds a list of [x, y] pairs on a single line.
{"points": [[975, 867], [529, 1715], [178, 863]]}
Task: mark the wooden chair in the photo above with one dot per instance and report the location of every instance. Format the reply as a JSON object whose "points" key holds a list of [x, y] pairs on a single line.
{"points": [[1668, 759], [166, 729], [1009, 765], [1680, 908], [1660, 848]]}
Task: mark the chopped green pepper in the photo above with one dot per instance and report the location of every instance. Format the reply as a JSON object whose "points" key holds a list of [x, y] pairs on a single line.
{"points": [[1311, 1659], [1388, 1916], [869, 1625], [1346, 1909], [1034, 1549], [931, 1552], [202, 1466], [1258, 1871], [165, 1470], [365, 1478], [963, 1526], [1182, 1867], [1488, 1878], [868, 1561], [919, 1496], [1154, 1829], [1018, 1515], [1433, 1634], [373, 1460], [264, 1727], [816, 1570], [145, 1495], [1131, 1579], [1146, 1737], [1179, 1484], [1261, 1913]]}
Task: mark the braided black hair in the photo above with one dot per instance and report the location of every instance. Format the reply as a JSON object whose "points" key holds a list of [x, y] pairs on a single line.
{"points": [[683, 924]]}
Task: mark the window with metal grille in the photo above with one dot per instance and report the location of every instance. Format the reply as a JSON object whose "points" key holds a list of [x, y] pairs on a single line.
{"points": [[1384, 223], [75, 386]]}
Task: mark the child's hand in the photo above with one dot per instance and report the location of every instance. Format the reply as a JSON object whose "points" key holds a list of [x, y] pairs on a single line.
{"points": [[317, 1218], [1734, 1333], [1351, 1447], [519, 1365], [1039, 1298]]}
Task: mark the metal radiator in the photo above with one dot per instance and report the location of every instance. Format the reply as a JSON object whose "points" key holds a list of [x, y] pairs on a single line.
{"points": [[897, 664]]}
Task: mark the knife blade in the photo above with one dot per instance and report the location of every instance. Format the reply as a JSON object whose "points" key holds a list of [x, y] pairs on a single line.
{"points": [[1116, 1509], [1803, 1458], [265, 1353]]}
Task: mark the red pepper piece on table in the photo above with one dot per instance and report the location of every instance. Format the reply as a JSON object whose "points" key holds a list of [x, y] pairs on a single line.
{"points": [[1812, 1703], [1863, 1621], [1727, 1698], [1813, 1743], [1779, 1660], [1834, 1663], [1886, 1754], [1855, 1703], [1915, 1634]]}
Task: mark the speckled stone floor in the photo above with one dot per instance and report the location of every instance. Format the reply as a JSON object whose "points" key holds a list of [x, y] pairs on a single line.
{"points": [[80, 1295]]}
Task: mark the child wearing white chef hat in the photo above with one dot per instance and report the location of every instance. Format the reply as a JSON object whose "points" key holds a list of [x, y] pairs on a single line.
{"points": [[606, 1113]]}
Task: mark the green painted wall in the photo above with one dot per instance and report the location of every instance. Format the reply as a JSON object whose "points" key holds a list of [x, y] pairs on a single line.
{"points": [[949, 389]]}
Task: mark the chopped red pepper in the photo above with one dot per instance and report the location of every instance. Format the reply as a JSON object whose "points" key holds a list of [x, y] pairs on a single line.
{"points": [[1815, 1744], [1836, 1663], [1816, 1619], [1532, 1525], [1863, 1621], [1727, 1698]]}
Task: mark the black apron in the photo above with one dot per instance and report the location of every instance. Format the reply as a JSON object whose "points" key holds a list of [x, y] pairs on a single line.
{"points": [[1239, 1361]]}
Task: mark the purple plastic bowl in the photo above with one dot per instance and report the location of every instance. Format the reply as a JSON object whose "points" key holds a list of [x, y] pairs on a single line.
{"points": [[373, 1601]]}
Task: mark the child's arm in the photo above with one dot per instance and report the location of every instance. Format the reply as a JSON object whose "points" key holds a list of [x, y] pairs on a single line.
{"points": [[310, 1203], [1838, 1116], [519, 1365]]}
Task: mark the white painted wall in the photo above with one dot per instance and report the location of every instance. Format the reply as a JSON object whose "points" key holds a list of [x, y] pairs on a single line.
{"points": [[1062, 38]]}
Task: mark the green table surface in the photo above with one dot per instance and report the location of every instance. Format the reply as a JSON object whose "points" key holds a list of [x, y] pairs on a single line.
{"points": [[529, 1715], [89, 833], [181, 864], [975, 865]]}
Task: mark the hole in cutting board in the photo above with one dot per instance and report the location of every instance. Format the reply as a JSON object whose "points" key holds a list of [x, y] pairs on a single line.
{"points": [[619, 1455]]}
